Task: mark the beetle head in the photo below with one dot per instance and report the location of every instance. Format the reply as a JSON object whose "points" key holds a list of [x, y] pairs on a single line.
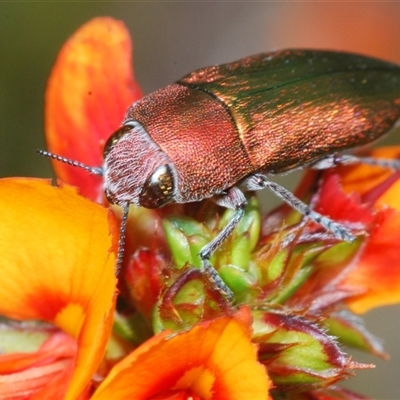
{"points": [[136, 170]]}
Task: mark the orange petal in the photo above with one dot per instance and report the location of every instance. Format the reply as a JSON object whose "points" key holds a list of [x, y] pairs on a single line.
{"points": [[57, 266], [88, 92], [377, 273], [375, 184], [213, 360]]}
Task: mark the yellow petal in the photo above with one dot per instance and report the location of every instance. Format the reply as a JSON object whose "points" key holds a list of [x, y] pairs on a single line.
{"points": [[57, 266]]}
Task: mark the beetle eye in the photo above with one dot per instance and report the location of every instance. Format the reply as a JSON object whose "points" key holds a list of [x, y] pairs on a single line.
{"points": [[114, 138], [158, 190]]}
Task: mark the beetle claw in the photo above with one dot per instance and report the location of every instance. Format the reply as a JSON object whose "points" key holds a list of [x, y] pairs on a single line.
{"points": [[341, 232]]}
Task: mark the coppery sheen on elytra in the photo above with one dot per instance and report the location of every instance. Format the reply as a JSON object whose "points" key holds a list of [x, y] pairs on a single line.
{"points": [[267, 113]]}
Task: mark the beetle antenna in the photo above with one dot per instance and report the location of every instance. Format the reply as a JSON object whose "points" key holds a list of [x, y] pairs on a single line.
{"points": [[125, 206], [122, 236], [92, 170]]}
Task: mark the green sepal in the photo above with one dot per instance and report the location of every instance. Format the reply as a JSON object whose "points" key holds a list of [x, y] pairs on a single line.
{"points": [[240, 252], [188, 297], [298, 354], [341, 252], [249, 224], [242, 283], [238, 247], [185, 237], [132, 328], [288, 290], [350, 330], [300, 267], [26, 337]]}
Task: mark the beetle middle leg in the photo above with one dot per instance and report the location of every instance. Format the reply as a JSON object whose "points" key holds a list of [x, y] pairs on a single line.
{"points": [[234, 199], [259, 181]]}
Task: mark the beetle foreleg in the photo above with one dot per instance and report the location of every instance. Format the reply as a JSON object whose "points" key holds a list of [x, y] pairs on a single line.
{"points": [[122, 236], [259, 181], [209, 248], [235, 199], [216, 280]]}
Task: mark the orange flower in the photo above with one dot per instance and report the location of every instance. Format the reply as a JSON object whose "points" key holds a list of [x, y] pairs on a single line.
{"points": [[213, 360], [88, 92], [64, 272], [56, 267], [85, 102]]}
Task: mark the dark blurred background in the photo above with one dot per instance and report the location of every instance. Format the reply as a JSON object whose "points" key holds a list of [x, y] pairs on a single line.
{"points": [[170, 40]]}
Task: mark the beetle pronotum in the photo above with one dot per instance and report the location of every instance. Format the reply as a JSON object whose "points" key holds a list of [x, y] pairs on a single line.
{"points": [[223, 129]]}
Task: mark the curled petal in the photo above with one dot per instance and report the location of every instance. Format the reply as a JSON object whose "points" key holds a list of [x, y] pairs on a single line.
{"points": [[88, 92], [57, 266], [213, 360]]}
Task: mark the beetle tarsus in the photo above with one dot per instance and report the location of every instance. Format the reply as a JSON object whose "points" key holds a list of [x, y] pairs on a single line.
{"points": [[338, 230], [216, 280], [259, 181]]}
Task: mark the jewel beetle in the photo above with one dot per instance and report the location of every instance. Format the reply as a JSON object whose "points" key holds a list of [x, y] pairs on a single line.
{"points": [[225, 129]]}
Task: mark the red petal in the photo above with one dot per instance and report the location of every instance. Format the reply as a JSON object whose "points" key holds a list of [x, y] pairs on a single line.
{"points": [[377, 272], [334, 203], [88, 92]]}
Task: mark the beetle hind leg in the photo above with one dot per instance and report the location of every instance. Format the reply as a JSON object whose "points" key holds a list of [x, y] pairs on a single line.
{"points": [[381, 162], [334, 160], [259, 181]]}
